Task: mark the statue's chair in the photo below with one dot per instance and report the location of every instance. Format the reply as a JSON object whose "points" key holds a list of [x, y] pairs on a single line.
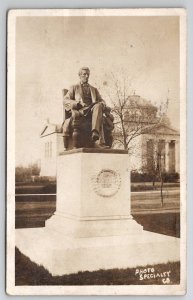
{"points": [[77, 129]]}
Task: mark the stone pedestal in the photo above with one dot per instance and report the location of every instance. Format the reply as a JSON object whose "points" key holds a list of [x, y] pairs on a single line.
{"points": [[93, 194], [92, 227]]}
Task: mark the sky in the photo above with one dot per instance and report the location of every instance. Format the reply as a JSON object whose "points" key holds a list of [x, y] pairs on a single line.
{"points": [[50, 51]]}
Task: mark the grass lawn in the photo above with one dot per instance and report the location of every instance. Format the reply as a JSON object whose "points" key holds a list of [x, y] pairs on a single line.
{"points": [[29, 273], [32, 211]]}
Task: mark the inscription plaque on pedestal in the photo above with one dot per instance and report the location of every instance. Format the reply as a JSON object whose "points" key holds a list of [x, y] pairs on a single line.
{"points": [[106, 183]]}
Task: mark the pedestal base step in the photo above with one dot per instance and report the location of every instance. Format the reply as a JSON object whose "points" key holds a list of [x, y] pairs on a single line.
{"points": [[93, 227], [62, 255]]}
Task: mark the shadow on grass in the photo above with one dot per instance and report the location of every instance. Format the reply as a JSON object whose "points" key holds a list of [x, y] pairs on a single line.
{"points": [[29, 273]]}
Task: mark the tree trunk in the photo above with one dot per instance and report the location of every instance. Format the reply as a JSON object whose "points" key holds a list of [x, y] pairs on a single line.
{"points": [[124, 134], [161, 192], [153, 183]]}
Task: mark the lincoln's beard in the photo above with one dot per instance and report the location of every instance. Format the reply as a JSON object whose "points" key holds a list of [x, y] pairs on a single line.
{"points": [[84, 80]]}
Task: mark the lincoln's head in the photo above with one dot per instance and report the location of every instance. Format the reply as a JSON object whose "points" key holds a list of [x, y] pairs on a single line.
{"points": [[84, 74]]}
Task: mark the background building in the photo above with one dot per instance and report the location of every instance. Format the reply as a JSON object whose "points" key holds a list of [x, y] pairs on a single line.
{"points": [[51, 146], [160, 146], [157, 143]]}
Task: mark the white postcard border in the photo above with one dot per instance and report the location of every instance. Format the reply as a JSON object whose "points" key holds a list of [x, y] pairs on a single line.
{"points": [[89, 290]]}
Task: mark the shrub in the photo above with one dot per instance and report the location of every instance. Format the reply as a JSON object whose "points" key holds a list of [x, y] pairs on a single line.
{"points": [[141, 177], [171, 177], [26, 174], [146, 177]]}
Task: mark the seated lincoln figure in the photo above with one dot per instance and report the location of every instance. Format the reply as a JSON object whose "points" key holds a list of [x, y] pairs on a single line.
{"points": [[88, 121]]}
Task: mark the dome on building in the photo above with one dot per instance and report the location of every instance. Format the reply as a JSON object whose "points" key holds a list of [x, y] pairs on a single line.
{"points": [[139, 110], [138, 101]]}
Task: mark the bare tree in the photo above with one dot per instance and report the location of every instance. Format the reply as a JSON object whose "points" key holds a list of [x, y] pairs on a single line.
{"points": [[160, 171], [154, 160], [133, 115]]}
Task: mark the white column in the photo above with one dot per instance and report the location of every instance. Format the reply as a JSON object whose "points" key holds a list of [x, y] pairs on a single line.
{"points": [[167, 156], [177, 157], [155, 151]]}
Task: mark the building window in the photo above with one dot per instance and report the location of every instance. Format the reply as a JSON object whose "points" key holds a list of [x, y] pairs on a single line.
{"points": [[48, 149], [150, 154], [172, 158]]}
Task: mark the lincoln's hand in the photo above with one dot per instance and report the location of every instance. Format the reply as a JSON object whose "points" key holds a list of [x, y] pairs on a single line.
{"points": [[82, 103], [77, 105]]}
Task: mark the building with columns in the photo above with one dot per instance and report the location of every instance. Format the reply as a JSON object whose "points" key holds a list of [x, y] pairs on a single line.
{"points": [[160, 147], [156, 145]]}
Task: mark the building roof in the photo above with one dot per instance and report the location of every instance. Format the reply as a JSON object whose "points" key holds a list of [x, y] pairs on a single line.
{"points": [[50, 128], [161, 129]]}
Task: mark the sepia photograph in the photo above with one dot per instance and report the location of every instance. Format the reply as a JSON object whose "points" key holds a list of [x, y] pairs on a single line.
{"points": [[96, 152]]}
